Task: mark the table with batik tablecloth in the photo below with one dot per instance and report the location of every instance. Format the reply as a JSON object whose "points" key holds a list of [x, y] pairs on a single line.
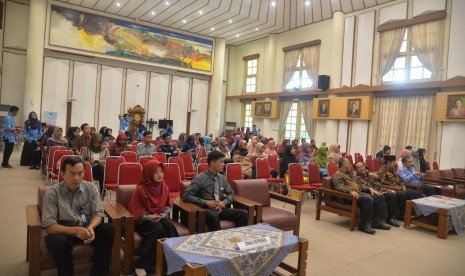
{"points": [[450, 214], [215, 252]]}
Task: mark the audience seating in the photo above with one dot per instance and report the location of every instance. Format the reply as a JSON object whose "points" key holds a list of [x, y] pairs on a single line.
{"points": [[296, 180], [160, 156], [51, 154], [129, 173], [369, 163], [332, 168], [449, 175], [144, 159], [130, 240], [349, 157], [40, 259], [202, 167], [110, 179], [297, 153], [233, 172], [188, 164], [257, 191], [376, 165], [200, 152], [182, 171], [314, 175], [129, 156], [332, 203], [172, 177], [273, 161], [448, 187], [202, 160], [263, 171], [359, 157], [154, 142], [459, 173], [428, 165], [435, 165]]}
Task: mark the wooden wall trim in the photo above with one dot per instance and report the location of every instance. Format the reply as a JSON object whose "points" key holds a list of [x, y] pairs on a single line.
{"points": [[413, 21], [250, 57], [302, 45]]}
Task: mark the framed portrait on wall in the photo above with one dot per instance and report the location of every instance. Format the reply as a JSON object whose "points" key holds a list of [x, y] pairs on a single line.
{"points": [[258, 109], [323, 108], [353, 108], [266, 109], [455, 106]]}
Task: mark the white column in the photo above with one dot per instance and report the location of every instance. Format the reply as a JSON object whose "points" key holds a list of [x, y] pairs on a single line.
{"points": [[269, 62], [217, 93], [337, 43], [34, 57]]}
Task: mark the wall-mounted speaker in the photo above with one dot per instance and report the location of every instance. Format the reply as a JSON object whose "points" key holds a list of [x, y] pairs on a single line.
{"points": [[323, 82]]}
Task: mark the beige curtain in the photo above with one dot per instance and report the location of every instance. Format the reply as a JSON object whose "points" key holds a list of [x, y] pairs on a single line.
{"points": [[283, 113], [428, 43], [405, 121], [306, 109], [390, 43], [311, 57], [290, 64]]}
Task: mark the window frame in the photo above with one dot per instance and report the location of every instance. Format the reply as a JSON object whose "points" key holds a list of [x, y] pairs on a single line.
{"points": [[247, 76], [298, 125], [244, 114], [300, 67]]}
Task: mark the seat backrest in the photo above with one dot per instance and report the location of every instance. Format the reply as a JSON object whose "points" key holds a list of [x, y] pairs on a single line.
{"points": [[313, 173], [160, 156], [351, 160], [201, 152], [129, 173], [40, 198], [180, 162], [154, 142], [182, 188], [50, 156], [135, 143], [435, 165], [129, 156], [88, 173], [254, 189], [124, 194], [172, 176], [297, 153], [203, 160], [332, 168], [174, 142], [188, 161], [262, 168], [327, 183], [369, 163], [57, 156], [447, 173], [428, 165], [273, 162], [161, 142], [376, 165], [144, 159], [296, 174], [62, 159], [201, 167], [458, 172], [111, 168], [359, 158], [433, 174], [233, 172]]}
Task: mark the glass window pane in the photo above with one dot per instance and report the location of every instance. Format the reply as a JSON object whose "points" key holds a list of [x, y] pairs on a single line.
{"points": [[389, 76], [250, 63], [254, 71], [254, 62], [249, 71], [403, 48], [399, 63], [426, 73], [416, 73], [306, 83], [415, 62], [399, 75], [253, 88], [253, 80]]}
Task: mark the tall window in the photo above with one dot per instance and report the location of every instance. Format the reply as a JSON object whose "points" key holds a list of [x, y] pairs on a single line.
{"points": [[248, 115], [295, 124], [300, 79], [251, 66], [407, 65]]}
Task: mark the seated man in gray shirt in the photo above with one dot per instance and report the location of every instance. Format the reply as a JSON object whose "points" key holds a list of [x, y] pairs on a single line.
{"points": [[73, 213], [211, 191]]}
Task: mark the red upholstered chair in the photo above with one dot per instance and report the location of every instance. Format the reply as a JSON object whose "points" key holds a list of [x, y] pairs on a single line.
{"points": [[110, 179], [202, 160], [39, 257], [257, 191], [182, 171], [200, 152], [273, 161], [369, 163], [202, 167], [459, 173], [263, 171], [172, 178], [297, 153], [428, 165], [144, 159], [135, 143], [376, 165], [233, 172], [174, 142], [344, 154], [332, 168], [358, 157], [130, 240], [435, 165], [296, 180], [160, 156], [129, 156], [88, 173], [57, 157], [129, 173], [349, 157], [49, 158], [154, 142], [161, 142], [332, 200], [314, 178], [449, 187], [188, 164]]}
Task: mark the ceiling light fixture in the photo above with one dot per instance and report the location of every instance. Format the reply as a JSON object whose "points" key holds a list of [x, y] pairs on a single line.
{"points": [[237, 35], [273, 4], [307, 3], [200, 12], [153, 13], [212, 28], [118, 4], [230, 21], [167, 3], [256, 29], [184, 21]]}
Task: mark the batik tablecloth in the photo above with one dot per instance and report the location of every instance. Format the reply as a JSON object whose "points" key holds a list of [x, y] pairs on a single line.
{"points": [[456, 207], [216, 251]]}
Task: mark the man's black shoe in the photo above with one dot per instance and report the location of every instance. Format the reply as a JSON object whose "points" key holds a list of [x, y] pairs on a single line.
{"points": [[8, 166], [366, 229], [381, 225], [393, 222]]}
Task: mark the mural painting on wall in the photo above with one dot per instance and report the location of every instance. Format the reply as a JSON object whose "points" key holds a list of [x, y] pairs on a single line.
{"points": [[455, 106], [353, 108], [137, 114], [323, 108], [113, 37]]}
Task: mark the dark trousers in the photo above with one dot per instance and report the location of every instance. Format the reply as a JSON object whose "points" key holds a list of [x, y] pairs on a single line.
{"points": [[98, 173], [372, 209], [150, 231], [412, 194], [401, 198], [238, 216], [429, 190], [61, 245], [7, 153]]}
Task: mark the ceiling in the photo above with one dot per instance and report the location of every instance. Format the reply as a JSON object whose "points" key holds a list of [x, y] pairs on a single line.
{"points": [[237, 21]]}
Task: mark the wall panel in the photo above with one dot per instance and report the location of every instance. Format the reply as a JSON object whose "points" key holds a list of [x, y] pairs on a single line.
{"points": [[348, 51], [421, 6], [136, 83], [16, 25], [358, 137], [158, 97], [455, 63], [84, 90], [12, 90], [364, 51], [394, 12], [342, 134], [110, 97], [55, 88], [179, 104], [199, 103], [452, 149]]}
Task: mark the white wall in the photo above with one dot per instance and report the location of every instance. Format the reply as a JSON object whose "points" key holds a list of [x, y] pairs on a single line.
{"points": [[199, 104], [456, 64], [16, 25], [452, 149], [110, 97], [55, 88], [158, 98], [84, 92], [358, 137], [179, 104], [136, 83]]}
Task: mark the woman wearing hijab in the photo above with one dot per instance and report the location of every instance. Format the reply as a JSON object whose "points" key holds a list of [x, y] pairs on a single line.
{"points": [[72, 134], [271, 148], [96, 154], [57, 139], [295, 144], [306, 155], [259, 152], [235, 144], [181, 140], [223, 148], [288, 157], [102, 131], [31, 153], [404, 153], [284, 144], [107, 135], [322, 161], [419, 161], [241, 157], [334, 153], [150, 206], [119, 146], [207, 143], [190, 146]]}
